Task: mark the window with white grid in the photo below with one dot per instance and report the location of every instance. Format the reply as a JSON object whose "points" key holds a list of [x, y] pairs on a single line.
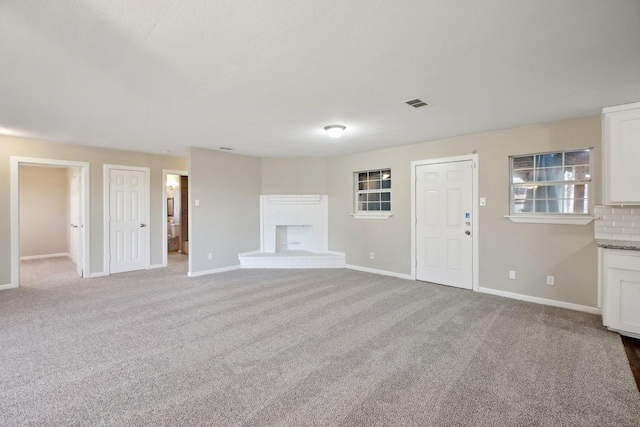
{"points": [[551, 183], [373, 191]]}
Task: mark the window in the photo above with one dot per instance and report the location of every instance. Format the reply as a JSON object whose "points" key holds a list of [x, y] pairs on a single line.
{"points": [[556, 183], [373, 193]]}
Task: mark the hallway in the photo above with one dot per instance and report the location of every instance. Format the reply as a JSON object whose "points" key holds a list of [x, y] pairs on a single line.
{"points": [[47, 273]]}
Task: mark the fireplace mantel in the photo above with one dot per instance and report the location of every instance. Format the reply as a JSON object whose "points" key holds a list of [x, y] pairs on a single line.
{"points": [[280, 211], [294, 233]]}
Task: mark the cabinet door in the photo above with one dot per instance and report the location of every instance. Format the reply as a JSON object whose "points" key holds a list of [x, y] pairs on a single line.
{"points": [[622, 300], [622, 157]]}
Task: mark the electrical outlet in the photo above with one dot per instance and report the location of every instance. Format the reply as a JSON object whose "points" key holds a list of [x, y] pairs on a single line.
{"points": [[372, 255], [550, 280], [210, 256], [512, 275]]}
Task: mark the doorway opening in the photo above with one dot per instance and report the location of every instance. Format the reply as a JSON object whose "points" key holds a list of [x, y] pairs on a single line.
{"points": [[49, 222], [176, 214]]}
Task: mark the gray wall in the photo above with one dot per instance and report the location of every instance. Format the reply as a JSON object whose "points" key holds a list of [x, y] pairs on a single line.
{"points": [[534, 251], [227, 222], [44, 211], [294, 176], [97, 157]]}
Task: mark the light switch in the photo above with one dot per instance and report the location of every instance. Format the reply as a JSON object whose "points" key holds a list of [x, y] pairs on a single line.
{"points": [[483, 201], [197, 202]]}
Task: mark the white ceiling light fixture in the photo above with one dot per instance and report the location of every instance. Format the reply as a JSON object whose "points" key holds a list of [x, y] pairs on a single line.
{"points": [[335, 131]]}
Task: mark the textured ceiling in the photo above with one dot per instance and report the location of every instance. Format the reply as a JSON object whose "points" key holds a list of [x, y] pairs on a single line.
{"points": [[264, 77]]}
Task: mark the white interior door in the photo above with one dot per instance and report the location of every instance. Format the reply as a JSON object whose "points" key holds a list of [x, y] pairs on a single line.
{"points": [[444, 215], [75, 221], [127, 220]]}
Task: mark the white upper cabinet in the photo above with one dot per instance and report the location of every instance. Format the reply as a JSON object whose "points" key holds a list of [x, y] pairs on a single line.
{"points": [[621, 154]]}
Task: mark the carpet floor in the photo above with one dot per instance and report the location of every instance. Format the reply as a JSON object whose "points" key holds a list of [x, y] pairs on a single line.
{"points": [[301, 348]]}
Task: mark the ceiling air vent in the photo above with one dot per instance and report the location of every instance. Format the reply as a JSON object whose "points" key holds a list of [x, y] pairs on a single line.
{"points": [[416, 103], [225, 148]]}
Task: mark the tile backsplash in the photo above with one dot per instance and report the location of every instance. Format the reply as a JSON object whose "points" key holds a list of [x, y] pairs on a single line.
{"points": [[617, 223]]}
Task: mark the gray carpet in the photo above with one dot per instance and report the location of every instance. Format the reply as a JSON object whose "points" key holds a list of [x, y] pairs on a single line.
{"points": [[298, 348], [48, 273]]}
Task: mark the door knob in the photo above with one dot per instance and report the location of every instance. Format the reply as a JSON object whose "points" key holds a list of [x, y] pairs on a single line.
{"points": [[467, 232], [143, 225]]}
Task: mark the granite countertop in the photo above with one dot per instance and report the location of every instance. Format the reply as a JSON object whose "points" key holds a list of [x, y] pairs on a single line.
{"points": [[618, 244]]}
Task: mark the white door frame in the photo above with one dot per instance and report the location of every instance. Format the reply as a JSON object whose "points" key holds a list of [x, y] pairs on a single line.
{"points": [[15, 210], [75, 209], [474, 224], [165, 236], [106, 213]]}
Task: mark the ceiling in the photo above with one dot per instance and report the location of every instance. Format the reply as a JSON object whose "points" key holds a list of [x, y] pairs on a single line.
{"points": [[265, 77]]}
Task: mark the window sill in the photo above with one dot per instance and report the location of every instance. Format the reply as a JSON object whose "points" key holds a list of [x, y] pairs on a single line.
{"points": [[552, 219], [381, 215]]}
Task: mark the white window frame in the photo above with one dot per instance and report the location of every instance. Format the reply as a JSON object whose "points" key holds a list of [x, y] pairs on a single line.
{"points": [[359, 214], [555, 217]]}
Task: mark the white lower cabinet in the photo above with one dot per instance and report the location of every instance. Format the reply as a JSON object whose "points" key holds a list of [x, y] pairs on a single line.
{"points": [[620, 283]]}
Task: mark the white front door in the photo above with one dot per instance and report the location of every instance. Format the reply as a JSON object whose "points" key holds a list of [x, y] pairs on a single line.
{"points": [[127, 220], [444, 215], [75, 222]]}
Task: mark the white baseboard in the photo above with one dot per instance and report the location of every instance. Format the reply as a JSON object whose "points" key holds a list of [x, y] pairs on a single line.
{"points": [[25, 258], [381, 272], [538, 300], [214, 271], [151, 267], [9, 286]]}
